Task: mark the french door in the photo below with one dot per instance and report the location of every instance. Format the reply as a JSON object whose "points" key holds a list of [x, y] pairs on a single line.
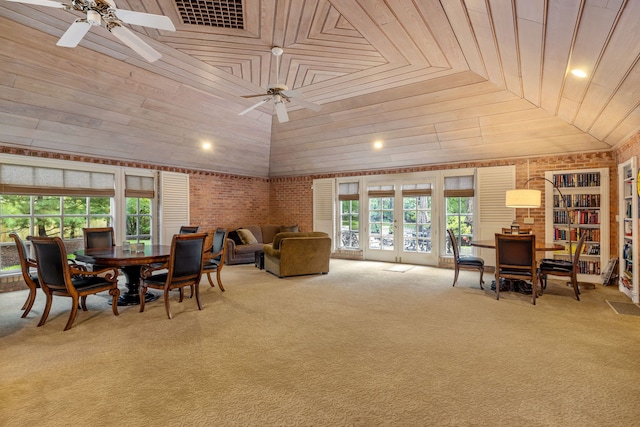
{"points": [[399, 222]]}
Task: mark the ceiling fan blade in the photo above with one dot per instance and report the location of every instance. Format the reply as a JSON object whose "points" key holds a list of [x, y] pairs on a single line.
{"points": [[74, 33], [127, 37], [254, 96], [281, 111], [254, 106], [160, 22], [47, 3], [306, 104]]}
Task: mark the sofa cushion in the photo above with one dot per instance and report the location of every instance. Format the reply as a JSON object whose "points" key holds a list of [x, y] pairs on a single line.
{"points": [[268, 232], [256, 230], [280, 236], [247, 236], [290, 228]]}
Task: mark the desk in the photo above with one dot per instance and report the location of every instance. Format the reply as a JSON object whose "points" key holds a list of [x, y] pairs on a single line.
{"points": [[129, 262], [540, 247]]}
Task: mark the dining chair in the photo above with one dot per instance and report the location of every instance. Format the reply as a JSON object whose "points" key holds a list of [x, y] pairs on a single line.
{"points": [[464, 262], [215, 256], [184, 269], [30, 279], [563, 268], [189, 229], [516, 260], [58, 277], [98, 237]]}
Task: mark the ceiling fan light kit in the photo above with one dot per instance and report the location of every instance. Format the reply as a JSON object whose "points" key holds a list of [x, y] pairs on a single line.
{"points": [[279, 93], [99, 11]]}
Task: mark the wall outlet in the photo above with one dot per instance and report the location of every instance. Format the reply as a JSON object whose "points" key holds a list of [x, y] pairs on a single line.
{"points": [[528, 220]]}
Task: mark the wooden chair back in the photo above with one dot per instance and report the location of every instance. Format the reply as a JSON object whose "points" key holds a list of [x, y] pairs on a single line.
{"points": [[516, 259], [98, 237]]}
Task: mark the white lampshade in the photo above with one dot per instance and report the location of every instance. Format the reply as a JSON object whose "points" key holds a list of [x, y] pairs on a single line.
{"points": [[524, 198]]}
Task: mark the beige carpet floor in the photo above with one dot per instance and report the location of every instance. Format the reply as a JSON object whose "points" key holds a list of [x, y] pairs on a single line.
{"points": [[361, 346]]}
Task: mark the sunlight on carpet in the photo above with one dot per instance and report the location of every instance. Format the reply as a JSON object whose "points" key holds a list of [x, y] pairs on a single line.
{"points": [[399, 268]]}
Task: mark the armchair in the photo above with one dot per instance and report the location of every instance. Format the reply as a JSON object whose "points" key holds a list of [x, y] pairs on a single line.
{"points": [[184, 270], [57, 277]]}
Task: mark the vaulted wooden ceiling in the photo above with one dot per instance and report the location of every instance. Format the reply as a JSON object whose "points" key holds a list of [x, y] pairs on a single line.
{"points": [[435, 81]]}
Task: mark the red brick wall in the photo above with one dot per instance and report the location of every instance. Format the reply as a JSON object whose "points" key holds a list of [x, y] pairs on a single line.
{"points": [[228, 201], [292, 202]]}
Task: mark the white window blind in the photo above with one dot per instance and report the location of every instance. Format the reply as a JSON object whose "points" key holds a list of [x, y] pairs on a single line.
{"points": [[35, 180], [139, 186]]}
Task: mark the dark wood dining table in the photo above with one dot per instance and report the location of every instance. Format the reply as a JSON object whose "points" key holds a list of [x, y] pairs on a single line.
{"points": [[540, 246], [130, 263]]}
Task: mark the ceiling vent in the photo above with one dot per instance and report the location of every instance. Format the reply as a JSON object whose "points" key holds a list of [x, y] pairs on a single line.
{"points": [[217, 13]]}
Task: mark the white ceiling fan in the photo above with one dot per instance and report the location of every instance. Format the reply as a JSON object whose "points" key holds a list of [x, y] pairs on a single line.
{"points": [[279, 93], [99, 11]]}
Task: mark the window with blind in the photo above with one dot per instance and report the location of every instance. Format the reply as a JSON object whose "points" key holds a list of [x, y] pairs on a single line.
{"points": [[459, 196], [45, 201], [349, 199], [416, 217], [140, 193]]}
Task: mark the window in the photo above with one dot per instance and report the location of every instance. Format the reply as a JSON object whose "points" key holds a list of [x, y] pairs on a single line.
{"points": [[50, 216], [349, 215], [139, 219], [416, 214], [139, 192], [458, 193], [381, 217]]}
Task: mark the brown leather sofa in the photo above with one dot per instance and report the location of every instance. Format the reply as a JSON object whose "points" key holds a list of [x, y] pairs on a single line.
{"points": [[296, 254]]}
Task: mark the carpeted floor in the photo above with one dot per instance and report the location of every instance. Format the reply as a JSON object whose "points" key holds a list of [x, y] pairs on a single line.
{"points": [[360, 346]]}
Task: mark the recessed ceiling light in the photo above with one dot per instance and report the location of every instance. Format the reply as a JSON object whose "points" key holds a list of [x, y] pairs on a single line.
{"points": [[377, 145], [579, 73], [206, 145]]}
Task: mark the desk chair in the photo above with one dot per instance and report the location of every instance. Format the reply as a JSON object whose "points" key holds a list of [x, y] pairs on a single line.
{"points": [[516, 259]]}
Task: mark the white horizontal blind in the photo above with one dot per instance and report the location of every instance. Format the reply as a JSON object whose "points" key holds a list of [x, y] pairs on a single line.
{"points": [[323, 206], [174, 204], [492, 186], [36, 180]]}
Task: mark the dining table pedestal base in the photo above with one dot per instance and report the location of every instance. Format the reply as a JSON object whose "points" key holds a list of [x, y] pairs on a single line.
{"points": [[132, 296]]}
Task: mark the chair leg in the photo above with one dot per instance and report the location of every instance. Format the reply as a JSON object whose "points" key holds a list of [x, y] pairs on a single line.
{"points": [[481, 281], [166, 302], [47, 308], [455, 275], [210, 280], [29, 302], [181, 291], [115, 294], [73, 314], [83, 302], [198, 297], [219, 280], [142, 290], [497, 287], [534, 290], [576, 290]]}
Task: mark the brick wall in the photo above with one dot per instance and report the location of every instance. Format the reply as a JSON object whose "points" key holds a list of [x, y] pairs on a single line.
{"points": [[228, 201]]}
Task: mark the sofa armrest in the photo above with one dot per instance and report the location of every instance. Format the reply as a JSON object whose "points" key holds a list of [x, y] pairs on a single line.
{"points": [[269, 251]]}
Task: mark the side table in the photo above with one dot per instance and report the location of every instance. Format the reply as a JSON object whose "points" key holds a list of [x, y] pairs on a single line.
{"points": [[259, 260]]}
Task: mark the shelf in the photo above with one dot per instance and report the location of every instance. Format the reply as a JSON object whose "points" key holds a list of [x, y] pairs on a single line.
{"points": [[628, 229], [585, 193]]}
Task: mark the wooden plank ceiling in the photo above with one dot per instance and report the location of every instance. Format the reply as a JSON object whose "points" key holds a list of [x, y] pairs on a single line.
{"points": [[435, 81]]}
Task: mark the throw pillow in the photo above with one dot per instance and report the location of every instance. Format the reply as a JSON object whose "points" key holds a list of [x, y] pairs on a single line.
{"points": [[289, 228], [233, 235], [247, 236]]}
